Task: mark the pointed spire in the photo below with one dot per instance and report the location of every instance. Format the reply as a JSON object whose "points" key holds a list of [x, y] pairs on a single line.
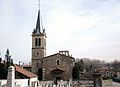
{"points": [[39, 30], [38, 23]]}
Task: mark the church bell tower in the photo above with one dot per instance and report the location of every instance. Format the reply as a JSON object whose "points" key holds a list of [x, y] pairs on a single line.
{"points": [[38, 45]]}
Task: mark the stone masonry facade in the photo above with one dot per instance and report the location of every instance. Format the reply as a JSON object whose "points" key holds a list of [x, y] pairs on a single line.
{"points": [[58, 66]]}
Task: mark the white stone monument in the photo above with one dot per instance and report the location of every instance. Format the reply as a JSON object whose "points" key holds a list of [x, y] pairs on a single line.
{"points": [[11, 77]]}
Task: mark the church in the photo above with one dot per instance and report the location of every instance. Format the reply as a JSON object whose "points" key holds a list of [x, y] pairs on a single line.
{"points": [[57, 66]]}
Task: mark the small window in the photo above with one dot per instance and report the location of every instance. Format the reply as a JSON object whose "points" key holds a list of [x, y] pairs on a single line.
{"points": [[39, 42], [58, 62], [35, 41], [37, 53]]}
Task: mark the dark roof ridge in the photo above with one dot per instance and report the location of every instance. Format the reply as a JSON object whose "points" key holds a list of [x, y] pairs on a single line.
{"points": [[58, 54]]}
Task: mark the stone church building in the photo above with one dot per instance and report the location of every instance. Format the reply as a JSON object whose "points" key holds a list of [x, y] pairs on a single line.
{"points": [[53, 67]]}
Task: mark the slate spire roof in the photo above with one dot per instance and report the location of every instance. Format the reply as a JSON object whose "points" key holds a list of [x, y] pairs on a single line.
{"points": [[39, 30], [38, 25]]}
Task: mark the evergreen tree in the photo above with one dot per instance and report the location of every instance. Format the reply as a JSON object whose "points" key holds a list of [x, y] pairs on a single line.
{"points": [[3, 71], [75, 72], [4, 66], [9, 61]]}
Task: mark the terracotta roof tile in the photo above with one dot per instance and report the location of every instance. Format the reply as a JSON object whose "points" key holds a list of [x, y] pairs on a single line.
{"points": [[24, 72]]}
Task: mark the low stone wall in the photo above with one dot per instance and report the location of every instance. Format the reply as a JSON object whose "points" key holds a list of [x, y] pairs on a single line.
{"points": [[3, 83], [18, 83], [84, 83], [66, 84]]}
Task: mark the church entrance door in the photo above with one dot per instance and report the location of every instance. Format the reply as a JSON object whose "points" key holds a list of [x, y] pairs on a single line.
{"points": [[57, 74], [58, 78]]}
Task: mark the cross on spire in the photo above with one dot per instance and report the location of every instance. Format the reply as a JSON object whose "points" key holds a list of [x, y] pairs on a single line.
{"points": [[39, 4]]}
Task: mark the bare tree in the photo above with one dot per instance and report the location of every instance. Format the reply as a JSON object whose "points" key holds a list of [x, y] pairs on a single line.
{"points": [[116, 65]]}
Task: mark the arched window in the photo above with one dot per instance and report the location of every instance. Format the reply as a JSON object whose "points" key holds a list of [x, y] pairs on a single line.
{"points": [[39, 42], [58, 62], [35, 41]]}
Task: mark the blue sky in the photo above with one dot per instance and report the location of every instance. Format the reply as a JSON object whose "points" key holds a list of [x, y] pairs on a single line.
{"points": [[87, 28]]}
